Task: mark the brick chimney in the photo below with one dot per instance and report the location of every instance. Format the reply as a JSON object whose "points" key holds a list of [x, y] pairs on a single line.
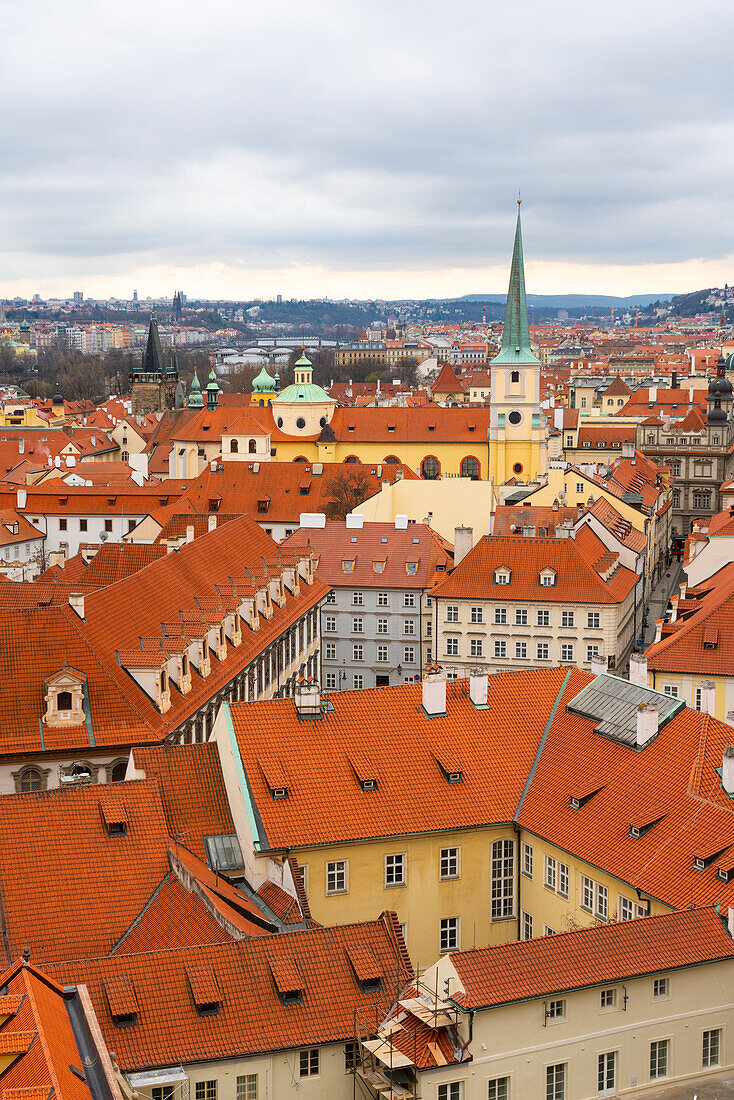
{"points": [[434, 692], [647, 723]]}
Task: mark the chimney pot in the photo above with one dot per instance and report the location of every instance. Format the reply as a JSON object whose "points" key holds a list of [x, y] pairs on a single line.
{"points": [[434, 692], [727, 770], [478, 687], [647, 723]]}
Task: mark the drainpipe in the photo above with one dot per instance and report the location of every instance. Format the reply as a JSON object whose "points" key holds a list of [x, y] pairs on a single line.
{"points": [[518, 833]]}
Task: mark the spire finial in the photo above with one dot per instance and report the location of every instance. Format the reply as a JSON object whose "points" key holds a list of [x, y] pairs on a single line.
{"points": [[519, 198]]}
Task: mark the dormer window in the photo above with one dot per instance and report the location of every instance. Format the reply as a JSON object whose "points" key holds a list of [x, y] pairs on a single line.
{"points": [[287, 979], [65, 698], [204, 989], [378, 566], [348, 565], [121, 1000], [548, 578], [502, 576]]}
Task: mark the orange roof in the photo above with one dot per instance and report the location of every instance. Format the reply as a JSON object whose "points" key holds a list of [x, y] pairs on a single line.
{"points": [[252, 1018], [547, 965], [701, 639], [424, 424], [448, 381], [115, 561], [417, 546], [607, 434], [578, 564], [509, 519], [621, 528]]}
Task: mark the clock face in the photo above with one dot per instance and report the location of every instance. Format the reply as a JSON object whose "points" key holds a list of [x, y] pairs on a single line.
{"points": [[515, 417]]}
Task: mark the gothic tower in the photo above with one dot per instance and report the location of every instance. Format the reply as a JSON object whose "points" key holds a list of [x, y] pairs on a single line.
{"points": [[517, 434], [152, 383]]}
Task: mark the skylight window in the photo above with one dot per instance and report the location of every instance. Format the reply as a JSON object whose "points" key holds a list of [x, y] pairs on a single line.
{"points": [[223, 853]]}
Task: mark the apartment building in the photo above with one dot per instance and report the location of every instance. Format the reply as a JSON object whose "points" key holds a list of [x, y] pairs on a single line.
{"points": [[377, 622], [516, 602]]}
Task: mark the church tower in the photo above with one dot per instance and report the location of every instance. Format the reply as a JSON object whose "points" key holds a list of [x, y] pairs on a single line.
{"points": [[517, 435], [152, 383]]}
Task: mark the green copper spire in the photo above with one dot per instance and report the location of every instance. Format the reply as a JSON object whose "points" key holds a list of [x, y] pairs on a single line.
{"points": [[515, 331], [196, 401]]}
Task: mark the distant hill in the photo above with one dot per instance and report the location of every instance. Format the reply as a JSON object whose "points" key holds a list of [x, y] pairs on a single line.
{"points": [[574, 301]]}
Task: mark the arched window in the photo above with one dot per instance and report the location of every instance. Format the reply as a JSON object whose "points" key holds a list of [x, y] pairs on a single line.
{"points": [[125, 456], [300, 459], [515, 376], [352, 458], [63, 700], [234, 446], [31, 780], [117, 771], [252, 447], [430, 468], [391, 460], [470, 468]]}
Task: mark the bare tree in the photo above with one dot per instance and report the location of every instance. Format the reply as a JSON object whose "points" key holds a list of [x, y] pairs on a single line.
{"points": [[343, 492]]}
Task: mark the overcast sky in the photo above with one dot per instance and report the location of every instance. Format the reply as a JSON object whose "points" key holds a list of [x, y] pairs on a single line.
{"points": [[370, 148]]}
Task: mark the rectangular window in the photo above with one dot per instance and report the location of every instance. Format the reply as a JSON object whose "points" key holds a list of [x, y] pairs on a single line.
{"points": [[358, 681], [449, 863], [247, 1086], [330, 651], [591, 652], [108, 528], [555, 1076], [711, 1047], [206, 1090], [658, 1059], [409, 654], [521, 616], [409, 626], [527, 860], [549, 876], [62, 525], [671, 689], [382, 627], [503, 879], [500, 616], [544, 618], [358, 626], [563, 877], [521, 649], [331, 597], [498, 1088], [477, 614], [500, 649], [162, 1092], [602, 901], [309, 1062], [556, 1010], [382, 651], [357, 597], [476, 647], [567, 653], [548, 931], [698, 698], [593, 620], [336, 876], [409, 599], [527, 926], [587, 894], [452, 647], [395, 870], [223, 853], [449, 934], [382, 599], [330, 622], [82, 525], [626, 909], [660, 987], [452, 613], [452, 1091], [357, 653], [701, 500], [567, 618], [543, 651], [330, 683], [608, 998]]}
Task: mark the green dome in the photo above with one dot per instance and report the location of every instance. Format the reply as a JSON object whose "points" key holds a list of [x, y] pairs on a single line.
{"points": [[303, 393], [263, 383], [303, 361], [213, 384], [196, 401]]}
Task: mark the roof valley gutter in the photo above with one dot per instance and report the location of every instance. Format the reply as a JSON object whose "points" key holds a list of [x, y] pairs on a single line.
{"points": [[538, 754]]}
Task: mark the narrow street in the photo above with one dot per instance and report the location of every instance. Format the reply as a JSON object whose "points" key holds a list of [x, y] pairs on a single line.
{"points": [[661, 593]]}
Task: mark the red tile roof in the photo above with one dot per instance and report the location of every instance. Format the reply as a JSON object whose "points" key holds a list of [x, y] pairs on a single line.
{"points": [[548, 965], [702, 638], [509, 519], [376, 542], [466, 425], [251, 1017], [576, 563]]}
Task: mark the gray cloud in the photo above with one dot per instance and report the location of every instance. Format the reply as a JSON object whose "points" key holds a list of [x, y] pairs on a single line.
{"points": [[364, 136]]}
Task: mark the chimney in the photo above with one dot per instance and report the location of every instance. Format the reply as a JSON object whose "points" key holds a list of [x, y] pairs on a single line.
{"points": [[190, 533], [315, 520], [478, 687], [708, 697], [727, 770], [598, 665], [652, 395], [212, 523], [730, 922], [21, 446], [434, 692], [647, 723], [401, 523], [674, 381], [307, 695], [354, 522], [683, 587], [628, 449], [463, 543], [21, 498], [658, 630], [638, 670], [76, 603]]}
